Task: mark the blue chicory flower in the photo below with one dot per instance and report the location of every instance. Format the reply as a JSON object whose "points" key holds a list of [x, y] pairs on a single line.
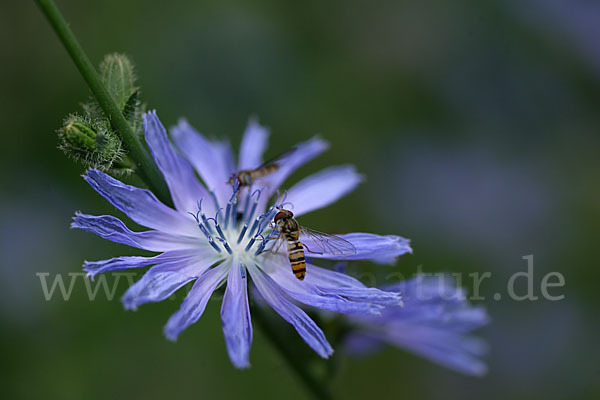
{"points": [[434, 323], [211, 240]]}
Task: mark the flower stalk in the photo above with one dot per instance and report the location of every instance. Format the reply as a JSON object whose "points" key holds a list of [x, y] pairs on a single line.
{"points": [[314, 384], [147, 170]]}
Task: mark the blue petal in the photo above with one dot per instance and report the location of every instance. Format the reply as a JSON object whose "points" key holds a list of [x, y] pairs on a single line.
{"points": [[468, 319], [377, 248], [141, 205], [303, 153], [212, 160], [353, 300], [451, 350], [94, 268], [365, 295], [306, 327], [253, 145], [235, 315], [427, 289], [162, 280], [331, 301], [454, 351], [433, 323], [327, 278], [436, 301], [362, 344], [112, 228], [194, 304], [185, 188], [323, 188]]}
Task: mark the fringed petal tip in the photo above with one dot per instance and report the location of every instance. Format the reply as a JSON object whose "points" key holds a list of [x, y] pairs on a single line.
{"points": [[183, 123], [150, 113], [74, 224], [388, 251], [241, 364], [405, 243], [170, 335], [80, 220], [129, 307], [89, 273], [477, 370], [128, 303]]}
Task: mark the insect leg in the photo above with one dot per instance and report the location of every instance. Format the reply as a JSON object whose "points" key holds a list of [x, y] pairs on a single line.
{"points": [[272, 249], [278, 247]]}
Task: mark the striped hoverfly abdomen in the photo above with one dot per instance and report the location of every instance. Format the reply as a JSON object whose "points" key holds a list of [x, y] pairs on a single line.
{"points": [[290, 230]]}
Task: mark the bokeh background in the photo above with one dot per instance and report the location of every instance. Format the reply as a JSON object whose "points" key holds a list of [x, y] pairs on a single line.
{"points": [[476, 123]]}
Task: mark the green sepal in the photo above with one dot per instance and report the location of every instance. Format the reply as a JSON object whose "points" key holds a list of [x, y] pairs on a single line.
{"points": [[133, 112], [131, 105]]}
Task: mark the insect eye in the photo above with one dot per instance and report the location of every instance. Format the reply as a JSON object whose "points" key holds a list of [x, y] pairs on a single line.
{"points": [[279, 216]]}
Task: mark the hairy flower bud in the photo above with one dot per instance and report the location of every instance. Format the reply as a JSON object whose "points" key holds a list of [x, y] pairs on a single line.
{"points": [[119, 77], [94, 144], [79, 135], [90, 138]]}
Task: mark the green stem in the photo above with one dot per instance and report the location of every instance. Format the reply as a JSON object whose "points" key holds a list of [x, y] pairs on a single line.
{"points": [[146, 167], [312, 383]]}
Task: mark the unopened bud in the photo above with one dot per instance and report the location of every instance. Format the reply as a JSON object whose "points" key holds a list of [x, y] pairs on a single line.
{"points": [[96, 145], [119, 77], [79, 134]]}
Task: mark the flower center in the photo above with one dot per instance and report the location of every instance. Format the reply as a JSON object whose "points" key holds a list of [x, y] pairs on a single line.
{"points": [[236, 230]]}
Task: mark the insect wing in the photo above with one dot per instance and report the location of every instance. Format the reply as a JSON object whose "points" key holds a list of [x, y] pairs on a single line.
{"points": [[320, 243], [275, 160]]}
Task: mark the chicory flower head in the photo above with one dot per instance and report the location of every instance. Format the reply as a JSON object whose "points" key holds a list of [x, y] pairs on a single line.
{"points": [[215, 236], [434, 323]]}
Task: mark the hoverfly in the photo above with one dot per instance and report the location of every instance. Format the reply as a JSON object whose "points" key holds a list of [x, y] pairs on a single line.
{"points": [[289, 230], [246, 177]]}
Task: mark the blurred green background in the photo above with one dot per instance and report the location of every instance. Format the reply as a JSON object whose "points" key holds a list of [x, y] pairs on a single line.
{"points": [[476, 123]]}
